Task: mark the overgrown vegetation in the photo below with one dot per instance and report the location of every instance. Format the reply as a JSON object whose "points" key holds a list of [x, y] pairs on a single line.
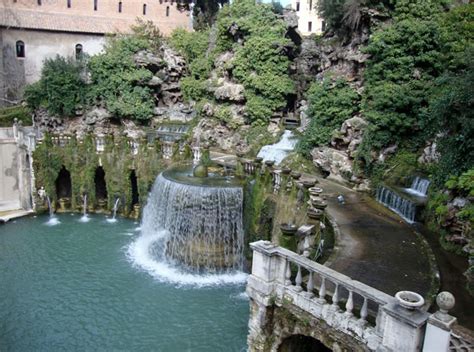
{"points": [[61, 87], [9, 114], [111, 79], [260, 62], [330, 103]]}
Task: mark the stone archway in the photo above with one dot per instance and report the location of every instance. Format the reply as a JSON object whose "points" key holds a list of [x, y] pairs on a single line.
{"points": [[100, 184], [302, 343], [63, 184]]}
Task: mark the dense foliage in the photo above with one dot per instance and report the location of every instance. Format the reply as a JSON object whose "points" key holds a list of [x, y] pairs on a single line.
{"points": [[330, 103], [417, 84], [9, 114], [61, 87], [115, 79], [260, 62]]}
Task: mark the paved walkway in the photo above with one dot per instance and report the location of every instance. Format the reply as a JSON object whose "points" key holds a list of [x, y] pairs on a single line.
{"points": [[375, 246]]}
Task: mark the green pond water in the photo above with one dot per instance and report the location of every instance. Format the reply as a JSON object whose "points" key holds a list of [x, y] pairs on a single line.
{"points": [[72, 287]]}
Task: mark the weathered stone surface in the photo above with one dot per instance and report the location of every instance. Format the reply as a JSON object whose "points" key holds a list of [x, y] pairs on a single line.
{"points": [[219, 135], [350, 135], [230, 92], [96, 116], [179, 112], [334, 162], [430, 153], [149, 60]]}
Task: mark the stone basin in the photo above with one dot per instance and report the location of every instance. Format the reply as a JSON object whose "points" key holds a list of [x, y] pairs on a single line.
{"points": [[315, 191], [315, 214], [296, 175], [288, 229], [409, 300]]}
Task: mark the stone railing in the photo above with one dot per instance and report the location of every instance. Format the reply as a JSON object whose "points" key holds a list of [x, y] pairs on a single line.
{"points": [[280, 274], [372, 318]]}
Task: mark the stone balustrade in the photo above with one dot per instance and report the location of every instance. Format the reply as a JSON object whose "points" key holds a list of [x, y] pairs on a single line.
{"points": [[355, 316], [280, 274]]}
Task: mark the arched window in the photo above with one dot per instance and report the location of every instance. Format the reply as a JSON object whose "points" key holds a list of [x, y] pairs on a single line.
{"points": [[161, 1], [144, 9], [68, 4], [39, 2], [79, 51], [95, 5], [20, 49], [167, 11], [120, 7]]}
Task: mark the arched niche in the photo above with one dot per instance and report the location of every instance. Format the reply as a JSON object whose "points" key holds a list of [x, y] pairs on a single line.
{"points": [[302, 343], [63, 184], [134, 187], [100, 184]]}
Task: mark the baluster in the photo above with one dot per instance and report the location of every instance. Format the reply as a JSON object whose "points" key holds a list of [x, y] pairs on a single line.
{"points": [[364, 311], [299, 280], [288, 273], [322, 291], [310, 285], [335, 297], [349, 304]]}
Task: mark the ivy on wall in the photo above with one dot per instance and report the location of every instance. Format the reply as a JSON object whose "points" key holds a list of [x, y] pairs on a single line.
{"points": [[81, 160]]}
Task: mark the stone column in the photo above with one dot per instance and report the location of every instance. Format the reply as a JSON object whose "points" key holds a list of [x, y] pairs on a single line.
{"points": [[438, 329]]}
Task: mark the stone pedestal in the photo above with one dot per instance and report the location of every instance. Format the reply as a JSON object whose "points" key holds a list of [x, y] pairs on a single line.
{"points": [[438, 329], [403, 328]]}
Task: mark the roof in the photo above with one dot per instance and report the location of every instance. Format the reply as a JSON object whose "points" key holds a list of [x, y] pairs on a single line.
{"points": [[30, 19]]}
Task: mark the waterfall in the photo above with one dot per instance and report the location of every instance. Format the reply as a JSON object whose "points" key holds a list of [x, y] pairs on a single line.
{"points": [[53, 220], [404, 207], [419, 187], [84, 217], [277, 152], [191, 234]]}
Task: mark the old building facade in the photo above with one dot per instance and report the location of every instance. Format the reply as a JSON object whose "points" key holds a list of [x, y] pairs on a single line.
{"points": [[34, 30], [308, 20]]}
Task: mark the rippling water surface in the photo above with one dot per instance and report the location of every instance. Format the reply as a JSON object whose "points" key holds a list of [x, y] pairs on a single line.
{"points": [[71, 287]]}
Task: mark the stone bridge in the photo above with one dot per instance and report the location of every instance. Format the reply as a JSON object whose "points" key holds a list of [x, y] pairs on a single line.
{"points": [[297, 305]]}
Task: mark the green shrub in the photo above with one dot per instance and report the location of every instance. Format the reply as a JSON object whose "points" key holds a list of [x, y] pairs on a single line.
{"points": [[9, 114], [330, 103], [61, 87], [118, 82]]}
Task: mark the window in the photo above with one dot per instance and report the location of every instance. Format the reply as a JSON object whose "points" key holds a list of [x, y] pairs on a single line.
{"points": [[297, 6], [95, 5], [161, 1], [310, 5], [79, 51], [20, 49], [144, 9], [68, 4], [120, 7], [39, 2], [310, 26], [167, 11]]}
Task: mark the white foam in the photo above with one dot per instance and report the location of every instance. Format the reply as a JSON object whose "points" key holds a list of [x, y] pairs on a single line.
{"points": [[111, 221], [84, 218], [53, 221], [277, 152], [139, 253]]}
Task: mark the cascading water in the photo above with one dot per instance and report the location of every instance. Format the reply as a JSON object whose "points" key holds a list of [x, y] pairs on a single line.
{"points": [[277, 152], [419, 187], [191, 233], [402, 206], [405, 201]]}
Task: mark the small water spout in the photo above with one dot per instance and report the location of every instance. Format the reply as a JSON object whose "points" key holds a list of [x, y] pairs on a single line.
{"points": [[115, 208], [404, 207], [85, 217], [53, 220]]}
